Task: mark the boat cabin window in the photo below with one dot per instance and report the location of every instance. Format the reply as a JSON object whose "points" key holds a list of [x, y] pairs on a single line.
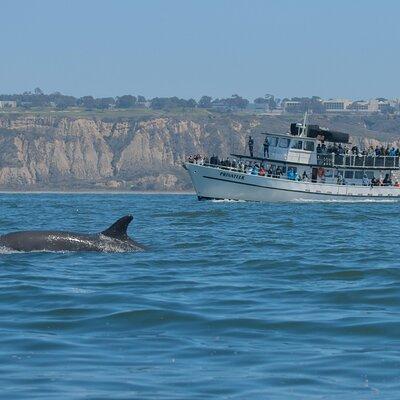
{"points": [[370, 174], [339, 172], [349, 174], [308, 145], [284, 142], [358, 174], [297, 144], [273, 141]]}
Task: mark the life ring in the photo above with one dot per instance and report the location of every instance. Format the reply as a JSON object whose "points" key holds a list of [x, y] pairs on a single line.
{"points": [[321, 172]]}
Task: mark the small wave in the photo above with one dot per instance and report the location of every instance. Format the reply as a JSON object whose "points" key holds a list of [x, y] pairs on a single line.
{"points": [[104, 249], [227, 201], [108, 245], [7, 250], [346, 201], [195, 214], [148, 317]]}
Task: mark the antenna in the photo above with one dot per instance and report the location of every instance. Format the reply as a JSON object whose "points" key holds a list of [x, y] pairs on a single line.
{"points": [[305, 127]]}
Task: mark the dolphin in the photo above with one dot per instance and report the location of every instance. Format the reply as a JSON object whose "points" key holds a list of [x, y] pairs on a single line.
{"points": [[114, 239]]}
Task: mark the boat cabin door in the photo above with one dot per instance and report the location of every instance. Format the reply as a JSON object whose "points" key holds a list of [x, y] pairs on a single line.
{"points": [[314, 175]]}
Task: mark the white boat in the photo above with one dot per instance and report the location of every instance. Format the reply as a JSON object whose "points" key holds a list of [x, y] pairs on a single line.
{"points": [[308, 163]]}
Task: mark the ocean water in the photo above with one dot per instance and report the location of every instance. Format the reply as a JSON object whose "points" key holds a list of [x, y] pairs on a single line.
{"points": [[232, 301]]}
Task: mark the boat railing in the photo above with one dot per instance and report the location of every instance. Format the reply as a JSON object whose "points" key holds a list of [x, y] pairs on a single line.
{"points": [[344, 160], [274, 174], [220, 166], [243, 170]]}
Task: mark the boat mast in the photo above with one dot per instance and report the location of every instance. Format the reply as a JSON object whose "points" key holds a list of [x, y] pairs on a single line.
{"points": [[305, 127]]}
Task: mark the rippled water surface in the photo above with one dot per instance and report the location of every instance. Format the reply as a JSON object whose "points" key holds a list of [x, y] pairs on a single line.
{"points": [[232, 301]]}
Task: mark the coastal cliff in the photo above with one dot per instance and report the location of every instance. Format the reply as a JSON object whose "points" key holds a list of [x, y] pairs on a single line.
{"points": [[66, 152]]}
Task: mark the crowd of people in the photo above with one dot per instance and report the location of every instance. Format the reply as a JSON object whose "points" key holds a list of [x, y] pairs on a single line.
{"points": [[198, 159], [266, 169], [382, 181], [250, 168], [337, 149], [372, 151], [250, 144]]}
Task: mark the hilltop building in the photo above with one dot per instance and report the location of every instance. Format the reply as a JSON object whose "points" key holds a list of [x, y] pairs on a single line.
{"points": [[336, 105], [292, 106], [8, 104], [345, 106]]}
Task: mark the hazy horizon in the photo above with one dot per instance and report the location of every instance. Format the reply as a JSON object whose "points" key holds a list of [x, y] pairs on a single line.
{"points": [[192, 48]]}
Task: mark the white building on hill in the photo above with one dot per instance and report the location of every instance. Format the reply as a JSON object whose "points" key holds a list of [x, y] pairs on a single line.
{"points": [[336, 105], [8, 104]]}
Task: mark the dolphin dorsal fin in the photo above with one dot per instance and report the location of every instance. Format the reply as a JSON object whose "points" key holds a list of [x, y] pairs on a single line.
{"points": [[118, 229]]}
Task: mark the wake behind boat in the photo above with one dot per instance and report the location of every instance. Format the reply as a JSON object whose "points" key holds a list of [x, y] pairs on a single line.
{"points": [[307, 163]]}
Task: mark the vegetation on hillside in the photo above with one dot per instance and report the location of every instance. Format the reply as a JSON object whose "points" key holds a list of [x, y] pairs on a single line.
{"points": [[57, 100]]}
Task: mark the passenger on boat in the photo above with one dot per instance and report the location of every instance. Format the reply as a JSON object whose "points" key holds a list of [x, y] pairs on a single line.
{"points": [[291, 174], [261, 171], [250, 143], [340, 180], [387, 181], [278, 172], [304, 177], [266, 147], [213, 160], [255, 170], [354, 150], [365, 180], [197, 159]]}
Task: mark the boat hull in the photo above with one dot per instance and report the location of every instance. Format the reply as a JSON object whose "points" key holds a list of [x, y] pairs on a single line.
{"points": [[217, 183]]}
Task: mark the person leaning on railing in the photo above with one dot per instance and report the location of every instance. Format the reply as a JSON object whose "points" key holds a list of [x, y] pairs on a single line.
{"points": [[355, 151]]}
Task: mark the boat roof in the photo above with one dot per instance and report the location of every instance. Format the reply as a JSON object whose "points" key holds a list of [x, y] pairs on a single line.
{"points": [[288, 135], [313, 132]]}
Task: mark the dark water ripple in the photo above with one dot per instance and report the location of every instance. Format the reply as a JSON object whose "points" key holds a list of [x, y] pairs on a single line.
{"points": [[233, 301]]}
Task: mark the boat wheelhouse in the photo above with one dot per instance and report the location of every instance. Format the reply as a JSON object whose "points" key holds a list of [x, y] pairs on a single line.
{"points": [[307, 163]]}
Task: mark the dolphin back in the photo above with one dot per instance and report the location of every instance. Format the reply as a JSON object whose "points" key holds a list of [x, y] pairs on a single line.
{"points": [[113, 239]]}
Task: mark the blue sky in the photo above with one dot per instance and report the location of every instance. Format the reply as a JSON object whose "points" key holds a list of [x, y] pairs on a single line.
{"points": [[189, 48]]}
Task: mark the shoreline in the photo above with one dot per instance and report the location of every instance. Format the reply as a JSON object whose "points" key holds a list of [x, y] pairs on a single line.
{"points": [[149, 192]]}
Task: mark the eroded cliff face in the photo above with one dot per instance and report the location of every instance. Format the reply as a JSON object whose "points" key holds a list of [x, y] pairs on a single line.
{"points": [[70, 153], [81, 153]]}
